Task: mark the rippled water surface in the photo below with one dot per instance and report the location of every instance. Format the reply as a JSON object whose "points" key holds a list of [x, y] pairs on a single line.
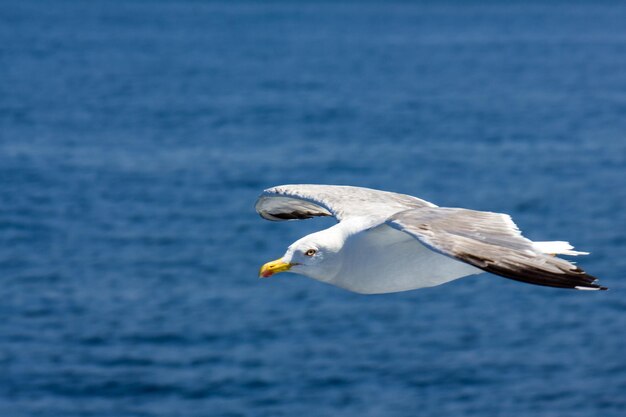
{"points": [[135, 137]]}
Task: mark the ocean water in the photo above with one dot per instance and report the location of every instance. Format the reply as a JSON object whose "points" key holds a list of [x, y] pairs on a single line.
{"points": [[135, 137]]}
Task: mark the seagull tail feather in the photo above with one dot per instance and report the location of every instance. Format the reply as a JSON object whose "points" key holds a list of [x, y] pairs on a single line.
{"points": [[557, 248]]}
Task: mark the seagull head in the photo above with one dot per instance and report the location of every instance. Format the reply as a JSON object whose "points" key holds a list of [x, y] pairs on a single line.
{"points": [[316, 255]]}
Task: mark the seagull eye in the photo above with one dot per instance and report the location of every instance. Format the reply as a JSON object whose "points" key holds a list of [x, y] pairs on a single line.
{"points": [[310, 252]]}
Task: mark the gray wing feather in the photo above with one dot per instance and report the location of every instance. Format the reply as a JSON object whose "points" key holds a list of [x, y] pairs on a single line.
{"points": [[491, 242], [303, 201]]}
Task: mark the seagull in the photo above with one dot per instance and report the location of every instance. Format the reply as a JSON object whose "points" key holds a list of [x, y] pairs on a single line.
{"points": [[386, 242]]}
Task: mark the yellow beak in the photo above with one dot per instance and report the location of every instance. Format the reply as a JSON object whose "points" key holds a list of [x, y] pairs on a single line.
{"points": [[274, 267]]}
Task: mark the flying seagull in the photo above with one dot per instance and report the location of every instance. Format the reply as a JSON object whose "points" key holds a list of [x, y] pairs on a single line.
{"points": [[386, 242]]}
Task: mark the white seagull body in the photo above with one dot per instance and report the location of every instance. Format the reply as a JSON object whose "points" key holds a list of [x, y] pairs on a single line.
{"points": [[388, 242]]}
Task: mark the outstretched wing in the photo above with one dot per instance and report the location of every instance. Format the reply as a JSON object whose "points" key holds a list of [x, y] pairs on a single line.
{"points": [[296, 202], [491, 242]]}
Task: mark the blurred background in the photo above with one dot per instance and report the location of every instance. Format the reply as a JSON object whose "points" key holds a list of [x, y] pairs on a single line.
{"points": [[135, 137]]}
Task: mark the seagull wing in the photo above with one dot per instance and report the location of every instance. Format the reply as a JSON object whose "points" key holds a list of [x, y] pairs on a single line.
{"points": [[302, 201], [491, 242]]}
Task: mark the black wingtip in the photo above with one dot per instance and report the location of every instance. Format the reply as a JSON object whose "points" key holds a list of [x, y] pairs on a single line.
{"points": [[291, 215]]}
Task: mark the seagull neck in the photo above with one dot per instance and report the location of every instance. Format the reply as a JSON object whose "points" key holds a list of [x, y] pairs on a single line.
{"points": [[334, 239], [352, 226], [336, 236]]}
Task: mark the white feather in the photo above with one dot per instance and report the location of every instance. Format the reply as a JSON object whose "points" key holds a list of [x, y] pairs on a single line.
{"points": [[557, 248]]}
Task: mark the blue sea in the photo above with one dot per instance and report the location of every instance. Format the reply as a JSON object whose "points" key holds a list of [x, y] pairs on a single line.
{"points": [[135, 137]]}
